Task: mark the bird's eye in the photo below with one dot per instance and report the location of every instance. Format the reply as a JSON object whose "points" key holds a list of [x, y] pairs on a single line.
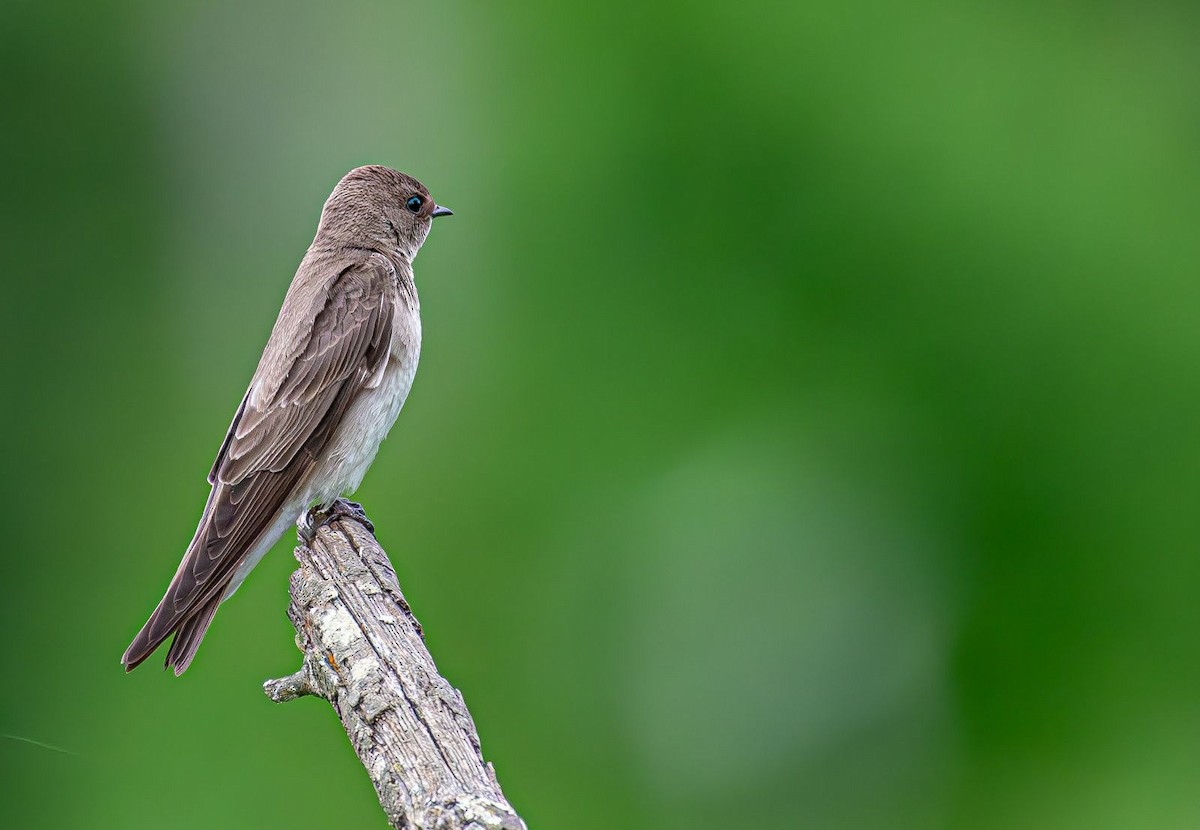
{"points": [[414, 203]]}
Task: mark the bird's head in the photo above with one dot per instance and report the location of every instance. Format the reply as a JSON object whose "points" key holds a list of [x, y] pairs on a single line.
{"points": [[376, 205]]}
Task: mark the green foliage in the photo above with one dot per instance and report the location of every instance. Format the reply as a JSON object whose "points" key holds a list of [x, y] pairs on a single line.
{"points": [[805, 430]]}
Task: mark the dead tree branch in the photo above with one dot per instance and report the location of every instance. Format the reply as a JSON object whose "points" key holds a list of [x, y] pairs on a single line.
{"points": [[365, 653]]}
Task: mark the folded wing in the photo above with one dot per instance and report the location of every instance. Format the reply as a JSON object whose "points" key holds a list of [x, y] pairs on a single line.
{"points": [[293, 406]]}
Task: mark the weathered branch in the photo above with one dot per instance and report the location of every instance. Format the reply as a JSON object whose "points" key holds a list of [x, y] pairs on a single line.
{"points": [[364, 652]]}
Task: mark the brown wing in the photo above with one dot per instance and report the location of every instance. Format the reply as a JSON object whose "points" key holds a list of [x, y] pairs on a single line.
{"points": [[281, 426]]}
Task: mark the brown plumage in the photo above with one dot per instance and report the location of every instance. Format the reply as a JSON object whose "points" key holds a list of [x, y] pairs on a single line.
{"points": [[331, 380]]}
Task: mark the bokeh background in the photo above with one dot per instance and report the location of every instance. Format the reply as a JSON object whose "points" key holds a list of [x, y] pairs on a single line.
{"points": [[806, 430]]}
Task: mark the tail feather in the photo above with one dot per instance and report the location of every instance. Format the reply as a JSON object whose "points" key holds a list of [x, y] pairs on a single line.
{"points": [[143, 646], [190, 633], [215, 564], [188, 628]]}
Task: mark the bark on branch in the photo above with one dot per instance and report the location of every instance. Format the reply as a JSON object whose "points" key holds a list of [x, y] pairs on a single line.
{"points": [[364, 652]]}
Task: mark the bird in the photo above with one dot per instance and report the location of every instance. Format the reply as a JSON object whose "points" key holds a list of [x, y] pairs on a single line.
{"points": [[331, 381]]}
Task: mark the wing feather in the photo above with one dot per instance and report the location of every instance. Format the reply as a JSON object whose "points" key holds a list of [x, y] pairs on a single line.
{"points": [[275, 438]]}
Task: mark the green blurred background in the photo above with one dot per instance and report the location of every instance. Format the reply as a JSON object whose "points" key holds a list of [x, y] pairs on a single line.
{"points": [[805, 435]]}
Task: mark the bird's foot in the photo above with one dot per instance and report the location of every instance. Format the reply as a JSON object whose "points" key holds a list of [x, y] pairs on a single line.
{"points": [[346, 509], [321, 515]]}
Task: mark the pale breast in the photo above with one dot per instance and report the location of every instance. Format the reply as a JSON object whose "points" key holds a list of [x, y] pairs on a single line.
{"points": [[370, 417]]}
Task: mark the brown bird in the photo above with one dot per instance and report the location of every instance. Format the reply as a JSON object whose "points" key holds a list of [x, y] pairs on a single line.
{"points": [[333, 376]]}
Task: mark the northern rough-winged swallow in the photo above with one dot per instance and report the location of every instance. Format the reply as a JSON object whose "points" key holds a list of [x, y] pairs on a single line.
{"points": [[330, 383]]}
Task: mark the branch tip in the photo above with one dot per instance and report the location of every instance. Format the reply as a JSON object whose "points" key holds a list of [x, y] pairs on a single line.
{"points": [[291, 687]]}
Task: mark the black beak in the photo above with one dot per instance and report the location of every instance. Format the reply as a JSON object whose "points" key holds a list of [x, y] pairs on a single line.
{"points": [[438, 210]]}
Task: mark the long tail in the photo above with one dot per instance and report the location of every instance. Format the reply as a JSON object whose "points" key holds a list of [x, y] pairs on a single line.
{"points": [[186, 617], [188, 637], [217, 560], [188, 631]]}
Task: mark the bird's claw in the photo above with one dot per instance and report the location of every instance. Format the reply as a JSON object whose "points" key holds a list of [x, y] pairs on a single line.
{"points": [[319, 516], [345, 509]]}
